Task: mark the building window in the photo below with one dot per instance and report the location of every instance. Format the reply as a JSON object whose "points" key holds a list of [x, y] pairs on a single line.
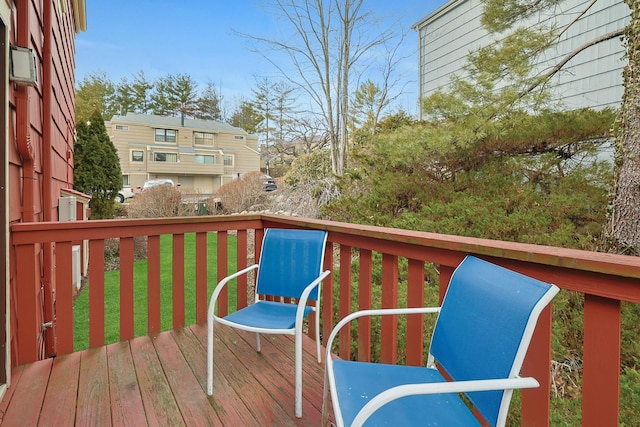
{"points": [[165, 135], [228, 160], [165, 157], [204, 159], [239, 137], [125, 180], [202, 138], [137, 156], [122, 127]]}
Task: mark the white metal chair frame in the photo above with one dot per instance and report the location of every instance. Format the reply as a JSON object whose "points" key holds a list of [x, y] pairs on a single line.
{"points": [[296, 330], [465, 386]]}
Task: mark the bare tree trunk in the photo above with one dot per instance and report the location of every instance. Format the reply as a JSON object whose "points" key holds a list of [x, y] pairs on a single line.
{"points": [[626, 214], [329, 38]]}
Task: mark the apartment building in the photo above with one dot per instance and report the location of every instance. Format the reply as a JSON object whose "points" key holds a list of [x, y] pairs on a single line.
{"points": [[200, 155], [593, 78]]}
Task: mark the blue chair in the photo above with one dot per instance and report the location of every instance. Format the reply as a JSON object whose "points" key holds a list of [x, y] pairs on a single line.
{"points": [[480, 339], [290, 267]]}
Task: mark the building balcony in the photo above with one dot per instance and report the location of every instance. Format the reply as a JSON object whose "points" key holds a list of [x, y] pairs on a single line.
{"points": [[187, 165], [161, 375]]}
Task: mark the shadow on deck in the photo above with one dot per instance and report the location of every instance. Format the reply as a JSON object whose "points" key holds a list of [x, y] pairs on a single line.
{"points": [[161, 381]]}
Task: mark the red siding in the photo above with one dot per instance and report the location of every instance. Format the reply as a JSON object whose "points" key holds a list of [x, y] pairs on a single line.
{"points": [[48, 120]]}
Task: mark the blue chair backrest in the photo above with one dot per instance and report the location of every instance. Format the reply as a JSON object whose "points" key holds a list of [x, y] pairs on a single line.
{"points": [[290, 260], [480, 328]]}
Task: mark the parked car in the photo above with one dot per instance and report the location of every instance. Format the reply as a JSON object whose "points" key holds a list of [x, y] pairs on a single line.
{"points": [[155, 182], [125, 193], [269, 183]]}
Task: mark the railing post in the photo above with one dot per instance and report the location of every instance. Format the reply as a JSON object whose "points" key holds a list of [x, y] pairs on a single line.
{"points": [[364, 303], [326, 317], [64, 299], [345, 300], [389, 324], [153, 284], [445, 277], [202, 302], [127, 330], [96, 293], [601, 362], [536, 404], [223, 268], [177, 286], [27, 303], [415, 323], [241, 259]]}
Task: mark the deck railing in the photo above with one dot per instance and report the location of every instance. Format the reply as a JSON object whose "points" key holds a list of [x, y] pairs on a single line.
{"points": [[605, 280]]}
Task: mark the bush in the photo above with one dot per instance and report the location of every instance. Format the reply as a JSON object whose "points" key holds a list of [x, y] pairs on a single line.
{"points": [[243, 194], [156, 202]]}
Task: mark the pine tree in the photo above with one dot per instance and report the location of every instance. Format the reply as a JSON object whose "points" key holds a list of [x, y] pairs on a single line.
{"points": [[95, 92], [209, 104]]}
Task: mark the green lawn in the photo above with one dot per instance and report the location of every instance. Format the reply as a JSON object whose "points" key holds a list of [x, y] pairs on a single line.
{"points": [[112, 291]]}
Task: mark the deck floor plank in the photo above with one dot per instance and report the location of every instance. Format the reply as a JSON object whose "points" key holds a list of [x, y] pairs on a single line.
{"points": [[194, 406], [93, 407], [230, 407], [29, 394], [16, 374], [161, 381], [127, 408], [160, 405], [272, 370], [59, 407], [312, 371], [266, 404]]}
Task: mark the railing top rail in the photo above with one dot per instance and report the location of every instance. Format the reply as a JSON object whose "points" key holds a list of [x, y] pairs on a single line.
{"points": [[572, 269], [595, 273], [40, 232], [600, 262]]}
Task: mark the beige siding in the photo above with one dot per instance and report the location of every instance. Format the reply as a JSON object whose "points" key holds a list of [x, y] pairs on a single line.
{"points": [[189, 167]]}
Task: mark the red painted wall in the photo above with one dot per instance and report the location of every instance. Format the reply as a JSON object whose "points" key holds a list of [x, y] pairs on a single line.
{"points": [[41, 126]]}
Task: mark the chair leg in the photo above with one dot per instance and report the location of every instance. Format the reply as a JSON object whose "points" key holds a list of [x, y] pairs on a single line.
{"points": [[298, 373], [258, 342], [318, 336], [325, 401], [210, 356]]}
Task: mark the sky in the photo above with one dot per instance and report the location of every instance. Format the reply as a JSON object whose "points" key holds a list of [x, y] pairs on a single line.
{"points": [[201, 38]]}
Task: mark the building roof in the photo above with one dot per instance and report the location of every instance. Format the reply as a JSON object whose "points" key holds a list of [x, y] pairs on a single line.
{"points": [[177, 122], [437, 13]]}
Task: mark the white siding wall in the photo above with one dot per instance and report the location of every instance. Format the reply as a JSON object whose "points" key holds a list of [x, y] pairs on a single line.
{"points": [[591, 79]]}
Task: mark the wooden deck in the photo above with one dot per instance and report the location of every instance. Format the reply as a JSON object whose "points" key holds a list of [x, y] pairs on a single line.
{"points": [[161, 381]]}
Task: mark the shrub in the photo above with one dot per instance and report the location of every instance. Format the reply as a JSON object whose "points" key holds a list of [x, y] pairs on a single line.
{"points": [[243, 194], [156, 202]]}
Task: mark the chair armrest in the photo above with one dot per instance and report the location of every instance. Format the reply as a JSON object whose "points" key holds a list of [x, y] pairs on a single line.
{"points": [[304, 297], [378, 312], [223, 283], [438, 388]]}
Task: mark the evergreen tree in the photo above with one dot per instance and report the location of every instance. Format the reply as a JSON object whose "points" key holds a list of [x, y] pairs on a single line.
{"points": [[124, 97], [141, 88], [366, 107], [95, 92], [175, 95], [209, 104], [97, 166], [246, 117]]}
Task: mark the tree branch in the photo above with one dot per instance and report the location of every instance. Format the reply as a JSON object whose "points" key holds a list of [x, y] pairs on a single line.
{"points": [[546, 77]]}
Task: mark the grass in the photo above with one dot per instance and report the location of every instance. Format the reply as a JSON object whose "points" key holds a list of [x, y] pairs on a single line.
{"points": [[112, 291]]}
